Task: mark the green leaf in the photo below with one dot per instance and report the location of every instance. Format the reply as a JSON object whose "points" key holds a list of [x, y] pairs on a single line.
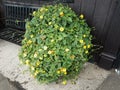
{"points": [[69, 19]]}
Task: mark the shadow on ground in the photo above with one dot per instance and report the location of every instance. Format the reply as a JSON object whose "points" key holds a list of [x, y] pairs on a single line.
{"points": [[16, 84]]}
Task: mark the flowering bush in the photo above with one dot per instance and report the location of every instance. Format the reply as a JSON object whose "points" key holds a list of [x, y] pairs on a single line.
{"points": [[56, 44]]}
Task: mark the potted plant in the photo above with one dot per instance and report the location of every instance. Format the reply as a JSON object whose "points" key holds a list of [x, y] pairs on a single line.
{"points": [[56, 44]]}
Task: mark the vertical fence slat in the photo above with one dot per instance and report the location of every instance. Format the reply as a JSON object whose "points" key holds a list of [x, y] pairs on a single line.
{"points": [[87, 9], [108, 20], [100, 14], [77, 6], [112, 44]]}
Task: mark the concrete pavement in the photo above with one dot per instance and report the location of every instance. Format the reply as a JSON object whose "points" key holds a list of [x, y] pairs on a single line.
{"points": [[111, 83], [5, 84], [90, 78]]}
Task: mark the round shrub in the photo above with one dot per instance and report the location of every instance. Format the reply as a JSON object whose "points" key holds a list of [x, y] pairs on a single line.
{"points": [[57, 43]]}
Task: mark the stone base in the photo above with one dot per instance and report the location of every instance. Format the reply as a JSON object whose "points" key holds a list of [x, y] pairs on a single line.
{"points": [[106, 61]]}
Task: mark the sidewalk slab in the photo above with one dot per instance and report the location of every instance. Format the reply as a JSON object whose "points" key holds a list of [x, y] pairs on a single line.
{"points": [[1, 77], [111, 83], [5, 85]]}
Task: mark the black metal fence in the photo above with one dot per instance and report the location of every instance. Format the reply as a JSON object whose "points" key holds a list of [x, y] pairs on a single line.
{"points": [[16, 14], [14, 17]]}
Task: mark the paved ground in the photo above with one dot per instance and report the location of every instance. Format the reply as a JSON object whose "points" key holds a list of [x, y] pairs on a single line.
{"points": [[5, 84], [111, 83], [90, 78]]}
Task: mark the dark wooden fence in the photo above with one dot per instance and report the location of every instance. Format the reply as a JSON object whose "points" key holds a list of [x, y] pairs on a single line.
{"points": [[104, 15]]}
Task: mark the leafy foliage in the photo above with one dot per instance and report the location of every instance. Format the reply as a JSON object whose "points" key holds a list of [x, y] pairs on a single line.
{"points": [[56, 44]]}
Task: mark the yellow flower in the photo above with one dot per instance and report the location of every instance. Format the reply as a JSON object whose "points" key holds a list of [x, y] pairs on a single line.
{"points": [[45, 55], [72, 57], [38, 63], [35, 55], [45, 47], [32, 68], [61, 14], [25, 38], [88, 46], [81, 16], [42, 9], [61, 29], [64, 82], [63, 69], [31, 36], [86, 52], [50, 23], [40, 58], [84, 35], [65, 73], [58, 72], [41, 17], [40, 50], [34, 13], [24, 54], [67, 50], [81, 41], [84, 47], [56, 26], [27, 62], [50, 52], [46, 9], [52, 40], [29, 42], [33, 76], [36, 72]]}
